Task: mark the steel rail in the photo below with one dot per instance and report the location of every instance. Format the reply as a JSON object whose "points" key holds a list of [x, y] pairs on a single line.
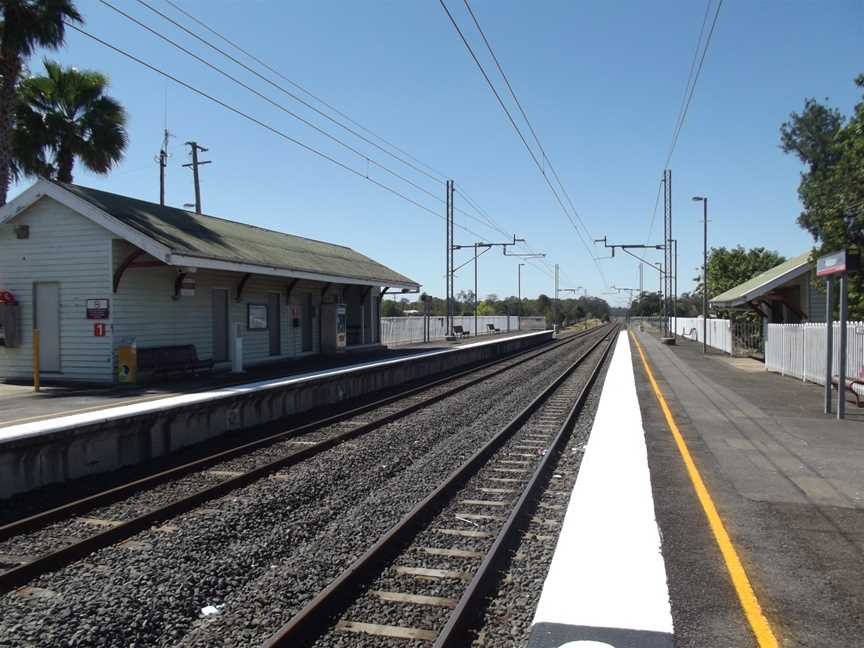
{"points": [[306, 625], [56, 559], [110, 495], [460, 622]]}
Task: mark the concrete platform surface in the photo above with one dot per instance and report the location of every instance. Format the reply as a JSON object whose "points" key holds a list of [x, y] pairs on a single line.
{"points": [[788, 485], [20, 404]]}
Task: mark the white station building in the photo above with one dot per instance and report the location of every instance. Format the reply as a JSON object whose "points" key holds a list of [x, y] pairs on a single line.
{"points": [[95, 271]]}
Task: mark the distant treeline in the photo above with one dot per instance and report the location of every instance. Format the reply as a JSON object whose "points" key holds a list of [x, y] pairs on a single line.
{"points": [[569, 310]]}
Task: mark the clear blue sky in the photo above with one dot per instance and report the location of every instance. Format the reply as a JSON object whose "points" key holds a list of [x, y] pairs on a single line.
{"points": [[601, 82]]}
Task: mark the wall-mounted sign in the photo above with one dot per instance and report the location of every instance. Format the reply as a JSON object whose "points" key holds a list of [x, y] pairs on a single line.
{"points": [[97, 309], [256, 317], [837, 263], [100, 330]]}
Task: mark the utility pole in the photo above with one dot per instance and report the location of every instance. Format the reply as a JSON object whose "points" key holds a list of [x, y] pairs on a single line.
{"points": [[195, 164], [519, 286], [162, 161], [668, 256], [555, 303], [704, 201], [448, 256]]}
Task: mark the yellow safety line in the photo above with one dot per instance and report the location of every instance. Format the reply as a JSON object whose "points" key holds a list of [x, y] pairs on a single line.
{"points": [[761, 628]]}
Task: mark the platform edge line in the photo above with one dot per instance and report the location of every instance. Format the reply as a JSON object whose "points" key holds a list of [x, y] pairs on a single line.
{"points": [[752, 609]]}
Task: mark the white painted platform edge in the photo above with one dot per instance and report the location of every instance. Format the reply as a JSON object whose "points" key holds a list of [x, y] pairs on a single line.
{"points": [[58, 424], [607, 570]]}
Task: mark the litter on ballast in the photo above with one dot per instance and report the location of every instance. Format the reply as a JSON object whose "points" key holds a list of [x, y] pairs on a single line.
{"points": [[211, 610]]}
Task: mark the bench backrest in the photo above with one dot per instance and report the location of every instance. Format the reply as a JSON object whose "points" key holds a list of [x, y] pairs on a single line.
{"points": [[155, 357], [457, 329], [491, 327]]}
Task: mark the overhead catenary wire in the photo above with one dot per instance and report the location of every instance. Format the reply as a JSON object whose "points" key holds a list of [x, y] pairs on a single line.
{"points": [[239, 48], [262, 124], [282, 89], [271, 101], [367, 159], [439, 176], [521, 136], [692, 86], [525, 117]]}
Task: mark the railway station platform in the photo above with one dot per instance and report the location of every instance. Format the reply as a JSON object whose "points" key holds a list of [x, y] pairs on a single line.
{"points": [[715, 506], [65, 433], [759, 497]]}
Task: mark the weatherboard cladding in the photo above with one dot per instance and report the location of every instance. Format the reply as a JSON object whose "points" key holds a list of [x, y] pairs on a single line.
{"points": [[208, 237], [750, 288], [69, 249], [144, 308]]}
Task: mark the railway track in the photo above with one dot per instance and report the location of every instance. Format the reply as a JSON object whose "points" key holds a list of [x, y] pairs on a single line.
{"points": [[293, 446], [465, 528]]}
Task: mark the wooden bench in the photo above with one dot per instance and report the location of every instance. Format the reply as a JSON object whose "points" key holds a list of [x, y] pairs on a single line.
{"points": [[850, 384], [171, 359], [460, 332], [491, 328]]}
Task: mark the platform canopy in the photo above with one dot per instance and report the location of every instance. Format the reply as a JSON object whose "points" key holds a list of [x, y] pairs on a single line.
{"points": [[762, 285], [182, 238]]}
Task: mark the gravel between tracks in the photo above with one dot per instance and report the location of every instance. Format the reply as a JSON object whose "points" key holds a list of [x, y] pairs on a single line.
{"points": [[538, 543], [263, 550]]}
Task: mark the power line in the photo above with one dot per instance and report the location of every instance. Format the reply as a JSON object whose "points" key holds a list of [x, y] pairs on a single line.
{"points": [[683, 116], [525, 117], [302, 89], [281, 107], [262, 124], [439, 175], [521, 136], [272, 102], [279, 87]]}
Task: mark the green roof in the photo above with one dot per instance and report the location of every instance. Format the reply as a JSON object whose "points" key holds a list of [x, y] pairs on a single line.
{"points": [[208, 237], [763, 282]]}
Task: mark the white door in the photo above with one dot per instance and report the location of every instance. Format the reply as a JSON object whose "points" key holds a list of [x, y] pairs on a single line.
{"points": [[46, 318]]}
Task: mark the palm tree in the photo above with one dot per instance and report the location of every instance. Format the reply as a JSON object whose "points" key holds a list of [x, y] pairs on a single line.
{"points": [[25, 25], [67, 115]]}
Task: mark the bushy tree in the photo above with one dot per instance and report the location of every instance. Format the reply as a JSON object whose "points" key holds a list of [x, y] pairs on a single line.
{"points": [[831, 147]]}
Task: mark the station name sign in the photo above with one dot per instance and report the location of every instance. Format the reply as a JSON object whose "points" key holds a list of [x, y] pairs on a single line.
{"points": [[837, 263]]}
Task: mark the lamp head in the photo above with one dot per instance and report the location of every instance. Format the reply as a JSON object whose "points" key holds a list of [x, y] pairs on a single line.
{"points": [[698, 198]]}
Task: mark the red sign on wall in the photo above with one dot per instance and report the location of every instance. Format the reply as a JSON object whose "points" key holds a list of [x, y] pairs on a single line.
{"points": [[100, 330]]}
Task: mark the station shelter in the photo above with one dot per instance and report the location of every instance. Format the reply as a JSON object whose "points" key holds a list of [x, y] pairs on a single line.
{"points": [[786, 294], [95, 272]]}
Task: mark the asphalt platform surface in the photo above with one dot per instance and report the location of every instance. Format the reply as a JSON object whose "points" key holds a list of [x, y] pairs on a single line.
{"points": [[788, 483]]}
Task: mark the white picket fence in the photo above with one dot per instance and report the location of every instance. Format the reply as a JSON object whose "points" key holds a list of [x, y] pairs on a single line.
{"points": [[719, 331], [798, 350], [405, 330]]}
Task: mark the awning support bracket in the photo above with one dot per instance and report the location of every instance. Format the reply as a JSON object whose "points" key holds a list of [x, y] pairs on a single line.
{"points": [[290, 289], [178, 284], [241, 285], [118, 274]]}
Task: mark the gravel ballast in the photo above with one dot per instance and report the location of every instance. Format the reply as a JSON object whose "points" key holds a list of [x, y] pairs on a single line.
{"points": [[263, 550]]}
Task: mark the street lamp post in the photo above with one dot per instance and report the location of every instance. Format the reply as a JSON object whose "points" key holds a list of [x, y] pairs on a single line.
{"points": [[704, 201]]}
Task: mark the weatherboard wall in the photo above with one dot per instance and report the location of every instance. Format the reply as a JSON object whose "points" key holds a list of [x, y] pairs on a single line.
{"points": [[66, 248], [146, 311]]}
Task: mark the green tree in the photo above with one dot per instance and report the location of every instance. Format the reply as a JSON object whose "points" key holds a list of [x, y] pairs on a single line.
{"points": [[728, 267], [831, 147], [24, 26], [67, 115]]}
